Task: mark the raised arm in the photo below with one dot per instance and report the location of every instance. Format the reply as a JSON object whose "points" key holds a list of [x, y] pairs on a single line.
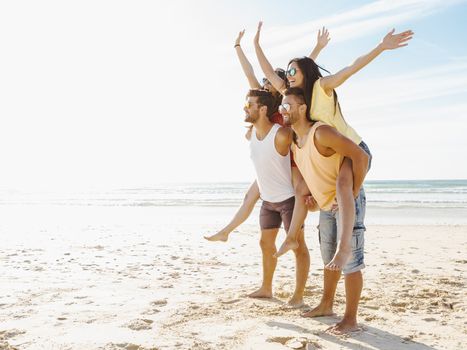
{"points": [[268, 70], [390, 42], [329, 137], [246, 65], [322, 39]]}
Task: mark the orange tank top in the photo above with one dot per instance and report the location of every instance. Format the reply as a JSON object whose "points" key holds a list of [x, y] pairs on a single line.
{"points": [[319, 172]]}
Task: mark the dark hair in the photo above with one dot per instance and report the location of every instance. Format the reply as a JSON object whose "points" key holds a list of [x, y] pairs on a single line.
{"points": [[311, 73], [298, 92], [265, 98], [281, 73], [278, 96]]}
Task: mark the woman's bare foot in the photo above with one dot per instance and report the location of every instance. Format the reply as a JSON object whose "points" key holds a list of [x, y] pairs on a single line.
{"points": [[261, 293], [341, 258], [289, 244], [320, 310], [221, 236], [343, 327]]}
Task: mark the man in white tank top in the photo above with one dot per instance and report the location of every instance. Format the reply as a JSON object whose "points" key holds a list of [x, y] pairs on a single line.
{"points": [[270, 153]]}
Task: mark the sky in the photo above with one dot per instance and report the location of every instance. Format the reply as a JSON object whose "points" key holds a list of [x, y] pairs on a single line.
{"points": [[112, 94]]}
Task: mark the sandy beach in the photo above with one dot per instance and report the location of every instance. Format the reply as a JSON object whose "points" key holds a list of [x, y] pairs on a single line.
{"points": [[144, 278]]}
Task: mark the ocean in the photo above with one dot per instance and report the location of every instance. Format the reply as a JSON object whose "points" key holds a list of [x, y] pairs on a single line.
{"points": [[382, 194], [417, 202]]}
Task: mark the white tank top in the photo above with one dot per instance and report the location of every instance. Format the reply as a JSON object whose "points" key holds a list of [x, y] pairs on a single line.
{"points": [[273, 170]]}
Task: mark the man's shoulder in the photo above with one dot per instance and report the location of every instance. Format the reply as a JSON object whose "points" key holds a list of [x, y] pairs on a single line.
{"points": [[284, 134], [325, 133]]}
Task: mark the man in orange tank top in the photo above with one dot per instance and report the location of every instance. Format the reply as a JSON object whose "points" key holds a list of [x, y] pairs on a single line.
{"points": [[319, 150]]}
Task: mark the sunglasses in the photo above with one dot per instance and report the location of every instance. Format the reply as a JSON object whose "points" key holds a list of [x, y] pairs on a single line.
{"points": [[248, 104], [287, 107], [292, 71]]}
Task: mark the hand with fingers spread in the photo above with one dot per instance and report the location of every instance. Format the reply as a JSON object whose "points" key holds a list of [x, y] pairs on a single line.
{"points": [[322, 39], [239, 38], [258, 32], [393, 41]]}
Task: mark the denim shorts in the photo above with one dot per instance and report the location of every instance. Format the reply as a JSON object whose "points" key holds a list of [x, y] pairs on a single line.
{"points": [[364, 147], [328, 223]]}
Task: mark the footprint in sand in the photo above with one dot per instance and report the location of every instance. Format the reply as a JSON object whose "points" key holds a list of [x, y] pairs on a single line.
{"points": [[151, 311], [125, 346], [295, 343], [174, 275], [161, 302], [4, 335], [139, 324], [228, 302]]}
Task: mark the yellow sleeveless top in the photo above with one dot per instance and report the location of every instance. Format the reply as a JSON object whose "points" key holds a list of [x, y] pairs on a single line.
{"points": [[319, 172], [324, 109]]}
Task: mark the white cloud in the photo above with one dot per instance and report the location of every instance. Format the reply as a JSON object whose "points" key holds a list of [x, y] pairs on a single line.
{"points": [[362, 21]]}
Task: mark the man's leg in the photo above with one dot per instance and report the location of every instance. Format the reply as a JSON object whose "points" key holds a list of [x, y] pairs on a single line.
{"points": [[353, 291], [352, 270], [302, 255], [328, 243], [302, 267], [268, 249]]}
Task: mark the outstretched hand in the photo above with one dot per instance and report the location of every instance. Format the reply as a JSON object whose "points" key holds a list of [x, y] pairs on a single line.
{"points": [[393, 41], [258, 32], [322, 39], [239, 37]]}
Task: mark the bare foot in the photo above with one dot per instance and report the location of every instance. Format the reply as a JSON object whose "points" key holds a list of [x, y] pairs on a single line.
{"points": [[318, 311], [344, 327], [261, 293], [295, 303], [289, 244], [341, 258], [220, 236]]}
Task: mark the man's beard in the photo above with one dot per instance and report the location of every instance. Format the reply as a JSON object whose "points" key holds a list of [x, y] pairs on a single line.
{"points": [[250, 119]]}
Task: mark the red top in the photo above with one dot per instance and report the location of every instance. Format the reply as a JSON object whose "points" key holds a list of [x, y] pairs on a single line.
{"points": [[278, 119]]}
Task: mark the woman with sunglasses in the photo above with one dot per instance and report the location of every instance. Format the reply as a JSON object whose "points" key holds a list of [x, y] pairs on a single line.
{"points": [[321, 42], [252, 194], [322, 105]]}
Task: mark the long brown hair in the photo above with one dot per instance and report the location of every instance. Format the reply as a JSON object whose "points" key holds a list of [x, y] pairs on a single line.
{"points": [[311, 73]]}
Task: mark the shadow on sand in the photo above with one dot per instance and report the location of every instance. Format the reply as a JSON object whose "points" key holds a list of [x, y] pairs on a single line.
{"points": [[373, 337]]}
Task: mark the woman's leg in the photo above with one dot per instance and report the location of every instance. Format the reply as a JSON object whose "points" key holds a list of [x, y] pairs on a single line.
{"points": [[346, 207], [299, 213], [249, 201]]}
